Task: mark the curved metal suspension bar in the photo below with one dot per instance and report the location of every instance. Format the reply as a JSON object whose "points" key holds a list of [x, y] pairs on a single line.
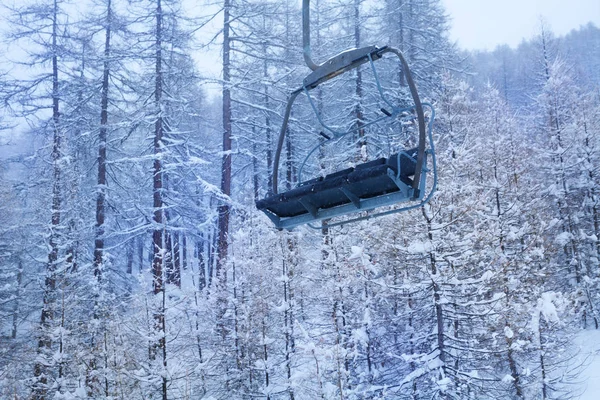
{"points": [[420, 116], [284, 125], [336, 134], [417, 106], [379, 89], [306, 35]]}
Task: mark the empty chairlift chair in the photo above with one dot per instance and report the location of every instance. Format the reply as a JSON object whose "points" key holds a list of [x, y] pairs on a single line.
{"points": [[398, 178]]}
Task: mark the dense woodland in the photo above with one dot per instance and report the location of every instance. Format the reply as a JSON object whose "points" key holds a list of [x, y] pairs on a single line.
{"points": [[134, 265]]}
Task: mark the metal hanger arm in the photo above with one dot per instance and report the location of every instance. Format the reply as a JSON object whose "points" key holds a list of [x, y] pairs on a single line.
{"points": [[306, 35], [284, 126], [420, 115]]}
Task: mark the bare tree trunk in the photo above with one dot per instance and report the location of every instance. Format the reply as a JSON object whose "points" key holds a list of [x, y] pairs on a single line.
{"points": [[200, 245], [197, 297], [41, 371], [512, 362], [265, 355], [358, 108], [129, 255], [15, 321], [289, 152], [504, 77], [342, 334], [140, 252], [212, 254], [224, 209], [173, 258], [101, 197], [267, 117], [438, 307], [410, 41], [413, 365], [369, 348], [289, 249], [288, 319], [239, 351], [395, 10], [176, 259], [184, 254], [255, 172], [91, 381], [158, 235], [168, 256], [543, 362]]}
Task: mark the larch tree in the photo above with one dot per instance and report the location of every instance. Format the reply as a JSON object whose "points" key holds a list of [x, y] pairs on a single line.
{"points": [[44, 29]]}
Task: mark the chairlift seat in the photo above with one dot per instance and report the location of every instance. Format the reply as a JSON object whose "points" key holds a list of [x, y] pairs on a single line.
{"points": [[349, 186], [379, 183]]}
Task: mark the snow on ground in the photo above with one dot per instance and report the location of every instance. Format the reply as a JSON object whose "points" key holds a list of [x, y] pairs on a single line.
{"points": [[589, 343]]}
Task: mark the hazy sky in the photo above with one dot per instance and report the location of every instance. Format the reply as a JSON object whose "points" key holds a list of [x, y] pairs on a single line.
{"points": [[484, 24]]}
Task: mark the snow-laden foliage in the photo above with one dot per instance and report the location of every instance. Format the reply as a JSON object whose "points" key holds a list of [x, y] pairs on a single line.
{"points": [[133, 266]]}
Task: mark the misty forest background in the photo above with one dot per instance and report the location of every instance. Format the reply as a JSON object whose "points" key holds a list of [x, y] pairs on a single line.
{"points": [[134, 265]]}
